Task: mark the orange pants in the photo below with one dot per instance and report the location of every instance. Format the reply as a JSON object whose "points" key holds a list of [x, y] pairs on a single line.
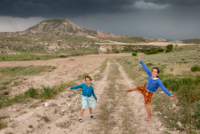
{"points": [[147, 95]]}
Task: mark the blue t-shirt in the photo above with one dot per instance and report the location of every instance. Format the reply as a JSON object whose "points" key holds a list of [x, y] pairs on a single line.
{"points": [[86, 91], [153, 84]]}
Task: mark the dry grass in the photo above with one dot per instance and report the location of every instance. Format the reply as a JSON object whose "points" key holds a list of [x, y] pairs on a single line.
{"points": [[110, 109], [174, 65]]}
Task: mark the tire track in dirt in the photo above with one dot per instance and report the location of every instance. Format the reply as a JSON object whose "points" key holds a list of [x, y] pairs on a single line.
{"points": [[62, 112], [88, 124], [136, 100]]}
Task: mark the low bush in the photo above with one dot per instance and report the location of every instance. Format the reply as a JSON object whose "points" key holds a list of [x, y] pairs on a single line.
{"points": [[134, 53], [32, 92], [195, 68]]}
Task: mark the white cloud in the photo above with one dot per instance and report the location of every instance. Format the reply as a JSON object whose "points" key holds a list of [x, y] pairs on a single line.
{"points": [[149, 6], [13, 24]]}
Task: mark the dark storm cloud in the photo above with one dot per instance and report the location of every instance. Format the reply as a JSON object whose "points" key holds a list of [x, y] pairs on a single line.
{"points": [[61, 8], [176, 2]]}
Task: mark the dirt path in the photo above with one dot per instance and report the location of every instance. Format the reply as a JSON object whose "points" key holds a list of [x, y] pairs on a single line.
{"points": [[67, 69], [143, 127], [116, 111]]}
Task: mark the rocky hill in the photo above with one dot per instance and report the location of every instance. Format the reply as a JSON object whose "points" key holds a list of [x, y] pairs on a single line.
{"points": [[60, 27]]}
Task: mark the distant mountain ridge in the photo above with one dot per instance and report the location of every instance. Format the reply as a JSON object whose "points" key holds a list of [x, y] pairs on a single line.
{"points": [[61, 27]]}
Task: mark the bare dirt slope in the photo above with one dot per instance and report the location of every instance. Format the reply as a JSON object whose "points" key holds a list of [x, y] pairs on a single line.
{"points": [[60, 115]]}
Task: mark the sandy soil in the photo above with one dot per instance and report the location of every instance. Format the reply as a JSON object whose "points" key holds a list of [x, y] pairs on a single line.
{"points": [[63, 111], [66, 70], [150, 43]]}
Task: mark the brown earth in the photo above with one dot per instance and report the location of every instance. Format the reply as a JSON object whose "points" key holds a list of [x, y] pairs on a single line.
{"points": [[63, 111]]}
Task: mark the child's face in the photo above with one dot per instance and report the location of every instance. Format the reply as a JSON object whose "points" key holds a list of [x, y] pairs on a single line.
{"points": [[154, 72], [87, 81]]}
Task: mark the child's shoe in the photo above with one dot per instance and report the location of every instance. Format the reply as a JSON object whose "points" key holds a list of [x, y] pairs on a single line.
{"points": [[80, 120], [92, 117]]}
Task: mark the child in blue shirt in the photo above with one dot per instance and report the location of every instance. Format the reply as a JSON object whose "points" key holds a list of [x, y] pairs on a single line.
{"points": [[150, 87], [87, 101]]}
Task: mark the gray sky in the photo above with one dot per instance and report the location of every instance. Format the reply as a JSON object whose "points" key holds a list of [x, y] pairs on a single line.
{"points": [[169, 19]]}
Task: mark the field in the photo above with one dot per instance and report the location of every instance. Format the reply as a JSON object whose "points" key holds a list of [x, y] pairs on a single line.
{"points": [[34, 99]]}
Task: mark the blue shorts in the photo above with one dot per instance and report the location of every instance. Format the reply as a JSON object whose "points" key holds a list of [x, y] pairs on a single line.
{"points": [[87, 102]]}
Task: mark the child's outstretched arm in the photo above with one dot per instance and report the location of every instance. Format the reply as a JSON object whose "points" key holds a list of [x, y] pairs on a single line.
{"points": [[74, 87], [144, 66], [165, 90], [94, 95]]}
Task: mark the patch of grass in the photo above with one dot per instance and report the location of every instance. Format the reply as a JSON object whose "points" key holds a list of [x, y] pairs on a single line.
{"points": [[23, 71], [134, 53], [43, 94], [33, 105], [2, 87], [46, 93], [195, 68], [99, 75], [3, 124], [177, 79], [5, 81], [32, 92], [111, 100], [65, 124], [8, 74], [30, 126], [83, 76], [46, 119]]}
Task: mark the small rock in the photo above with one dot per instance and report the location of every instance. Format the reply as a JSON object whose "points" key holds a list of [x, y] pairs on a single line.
{"points": [[14, 110], [69, 104], [62, 110], [165, 117], [179, 124], [59, 105], [46, 104], [160, 124], [173, 106], [161, 92], [160, 129], [175, 129]]}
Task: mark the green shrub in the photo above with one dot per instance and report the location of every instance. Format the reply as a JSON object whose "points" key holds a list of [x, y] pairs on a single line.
{"points": [[149, 64], [169, 48], [116, 51], [32, 92], [195, 68], [197, 113], [134, 53], [175, 83], [46, 93], [63, 56]]}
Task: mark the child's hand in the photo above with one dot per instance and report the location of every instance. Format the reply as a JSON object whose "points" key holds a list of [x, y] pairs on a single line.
{"points": [[172, 97], [127, 90], [68, 88], [139, 59]]}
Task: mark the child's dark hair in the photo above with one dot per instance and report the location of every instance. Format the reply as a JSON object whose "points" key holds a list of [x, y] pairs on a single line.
{"points": [[156, 69], [88, 78]]}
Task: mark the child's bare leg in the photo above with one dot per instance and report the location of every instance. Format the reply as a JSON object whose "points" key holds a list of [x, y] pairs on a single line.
{"points": [[148, 112], [81, 113], [90, 109], [132, 89]]}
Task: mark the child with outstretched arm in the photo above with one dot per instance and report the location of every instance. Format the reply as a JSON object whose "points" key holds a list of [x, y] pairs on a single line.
{"points": [[150, 87], [87, 101]]}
